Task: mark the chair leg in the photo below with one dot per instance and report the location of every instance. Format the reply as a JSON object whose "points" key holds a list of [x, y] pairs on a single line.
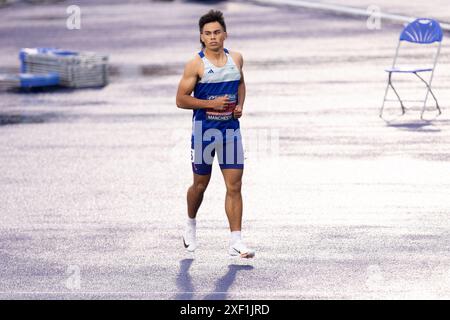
{"points": [[432, 94], [384, 101], [395, 91]]}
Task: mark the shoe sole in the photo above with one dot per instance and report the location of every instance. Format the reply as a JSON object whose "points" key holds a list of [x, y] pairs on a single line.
{"points": [[247, 255]]}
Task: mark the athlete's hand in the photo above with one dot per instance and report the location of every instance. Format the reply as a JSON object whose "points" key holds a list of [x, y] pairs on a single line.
{"points": [[220, 103], [237, 113]]}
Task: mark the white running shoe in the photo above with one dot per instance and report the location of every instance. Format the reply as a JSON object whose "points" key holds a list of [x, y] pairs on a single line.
{"points": [[190, 240], [240, 249]]}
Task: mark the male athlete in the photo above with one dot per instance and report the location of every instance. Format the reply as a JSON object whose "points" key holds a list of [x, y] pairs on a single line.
{"points": [[215, 76]]}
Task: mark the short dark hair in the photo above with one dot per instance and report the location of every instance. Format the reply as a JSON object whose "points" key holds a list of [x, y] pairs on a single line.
{"points": [[211, 16]]}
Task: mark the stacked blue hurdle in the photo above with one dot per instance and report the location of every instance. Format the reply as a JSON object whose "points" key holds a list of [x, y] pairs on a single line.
{"points": [[44, 67], [74, 69]]}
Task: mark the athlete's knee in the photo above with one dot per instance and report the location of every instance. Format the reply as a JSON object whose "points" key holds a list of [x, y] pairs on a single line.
{"points": [[234, 187], [199, 187]]}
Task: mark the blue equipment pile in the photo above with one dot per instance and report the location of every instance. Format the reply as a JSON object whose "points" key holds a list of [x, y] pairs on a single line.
{"points": [[43, 67]]}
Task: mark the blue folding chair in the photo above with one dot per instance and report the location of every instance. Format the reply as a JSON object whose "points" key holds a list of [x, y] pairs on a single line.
{"points": [[420, 31]]}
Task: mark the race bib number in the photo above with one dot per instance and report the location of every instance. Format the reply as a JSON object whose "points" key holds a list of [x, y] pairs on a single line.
{"points": [[225, 114]]}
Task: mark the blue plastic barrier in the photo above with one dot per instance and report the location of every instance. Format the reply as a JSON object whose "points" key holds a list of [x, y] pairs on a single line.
{"points": [[29, 80]]}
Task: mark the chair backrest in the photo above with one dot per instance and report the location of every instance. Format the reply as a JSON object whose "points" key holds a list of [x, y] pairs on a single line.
{"points": [[422, 31]]}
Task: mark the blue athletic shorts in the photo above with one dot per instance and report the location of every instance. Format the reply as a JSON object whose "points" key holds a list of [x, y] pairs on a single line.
{"points": [[229, 152]]}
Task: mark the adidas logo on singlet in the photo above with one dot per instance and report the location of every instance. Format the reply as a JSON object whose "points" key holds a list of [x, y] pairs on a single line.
{"points": [[210, 71]]}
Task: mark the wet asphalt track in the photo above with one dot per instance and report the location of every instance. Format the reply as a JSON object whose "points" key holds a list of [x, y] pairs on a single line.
{"points": [[341, 205]]}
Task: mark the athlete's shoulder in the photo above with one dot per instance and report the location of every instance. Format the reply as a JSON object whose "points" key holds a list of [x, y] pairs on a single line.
{"points": [[194, 60], [237, 57], [193, 65]]}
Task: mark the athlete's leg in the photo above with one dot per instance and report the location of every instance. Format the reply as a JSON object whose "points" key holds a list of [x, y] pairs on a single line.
{"points": [[233, 198], [233, 207], [194, 200], [195, 193]]}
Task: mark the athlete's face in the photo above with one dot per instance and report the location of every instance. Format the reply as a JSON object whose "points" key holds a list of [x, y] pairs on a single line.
{"points": [[213, 36]]}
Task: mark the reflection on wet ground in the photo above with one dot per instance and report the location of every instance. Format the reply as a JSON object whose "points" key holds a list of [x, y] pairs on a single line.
{"points": [[11, 119], [223, 284]]}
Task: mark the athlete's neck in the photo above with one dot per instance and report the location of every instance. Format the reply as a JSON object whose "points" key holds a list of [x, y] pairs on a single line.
{"points": [[214, 55]]}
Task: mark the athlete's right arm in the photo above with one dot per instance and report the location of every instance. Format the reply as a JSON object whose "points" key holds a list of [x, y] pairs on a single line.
{"points": [[187, 84]]}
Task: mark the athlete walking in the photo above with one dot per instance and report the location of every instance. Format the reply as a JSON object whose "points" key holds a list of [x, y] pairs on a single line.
{"points": [[216, 78]]}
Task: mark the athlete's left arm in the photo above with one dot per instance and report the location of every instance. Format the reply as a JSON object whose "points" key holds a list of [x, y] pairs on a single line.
{"points": [[241, 90]]}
